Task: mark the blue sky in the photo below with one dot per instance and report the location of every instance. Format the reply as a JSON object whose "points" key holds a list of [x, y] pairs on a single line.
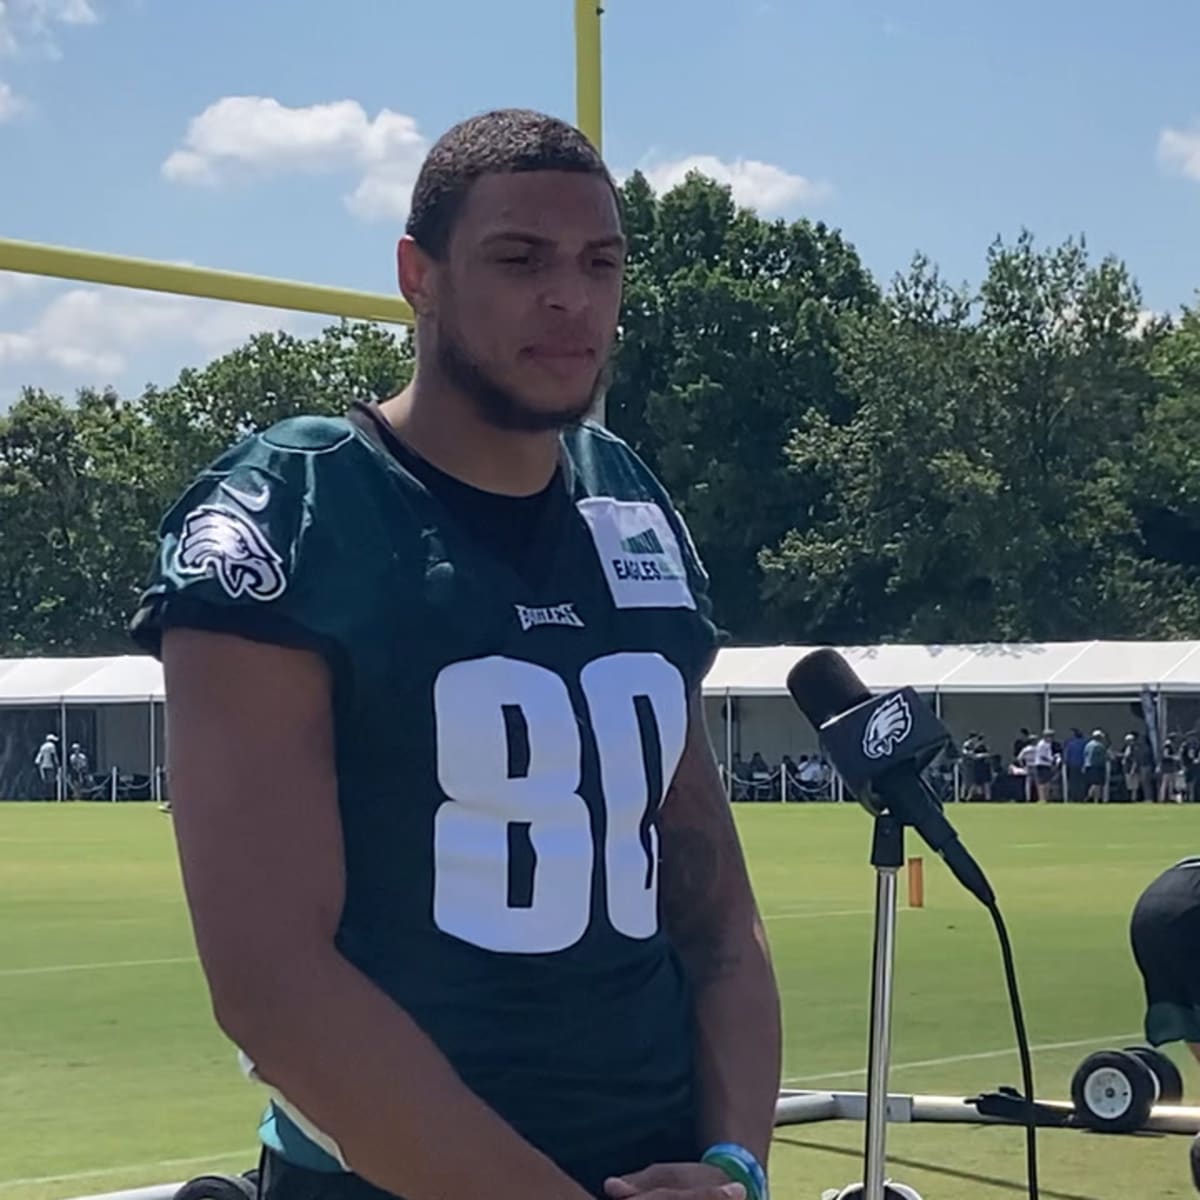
{"points": [[282, 136]]}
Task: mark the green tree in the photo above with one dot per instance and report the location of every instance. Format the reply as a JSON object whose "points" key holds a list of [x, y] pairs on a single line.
{"points": [[79, 500], [980, 489], [730, 336], [273, 376]]}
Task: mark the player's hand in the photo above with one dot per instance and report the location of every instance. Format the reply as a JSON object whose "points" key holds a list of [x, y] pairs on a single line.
{"points": [[675, 1181]]}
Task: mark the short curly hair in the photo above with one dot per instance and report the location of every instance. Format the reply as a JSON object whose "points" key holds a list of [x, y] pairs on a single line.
{"points": [[504, 141]]}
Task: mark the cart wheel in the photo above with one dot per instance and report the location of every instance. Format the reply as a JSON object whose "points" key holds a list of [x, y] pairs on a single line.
{"points": [[1113, 1092], [1170, 1081], [891, 1191], [217, 1187]]}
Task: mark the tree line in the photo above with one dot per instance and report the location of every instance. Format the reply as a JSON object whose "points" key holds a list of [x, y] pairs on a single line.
{"points": [[857, 463]]}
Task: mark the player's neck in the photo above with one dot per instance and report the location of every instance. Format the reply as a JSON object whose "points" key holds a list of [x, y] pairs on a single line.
{"points": [[442, 427]]}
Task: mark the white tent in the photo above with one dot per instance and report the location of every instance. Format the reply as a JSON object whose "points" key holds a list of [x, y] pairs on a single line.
{"points": [[123, 696], [993, 688], [1060, 668]]}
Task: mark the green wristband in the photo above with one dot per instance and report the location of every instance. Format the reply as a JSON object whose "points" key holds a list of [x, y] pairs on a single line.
{"points": [[736, 1171]]}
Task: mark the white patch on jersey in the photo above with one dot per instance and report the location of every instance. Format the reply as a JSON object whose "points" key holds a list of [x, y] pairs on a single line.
{"points": [[555, 614], [639, 553], [227, 546]]}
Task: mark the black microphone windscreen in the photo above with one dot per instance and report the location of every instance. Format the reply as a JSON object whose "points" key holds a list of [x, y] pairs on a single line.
{"points": [[824, 685]]}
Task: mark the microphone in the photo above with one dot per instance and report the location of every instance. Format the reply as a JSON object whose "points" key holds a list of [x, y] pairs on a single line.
{"points": [[880, 745]]}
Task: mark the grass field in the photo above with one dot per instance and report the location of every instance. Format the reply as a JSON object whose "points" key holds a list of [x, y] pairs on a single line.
{"points": [[112, 1074]]}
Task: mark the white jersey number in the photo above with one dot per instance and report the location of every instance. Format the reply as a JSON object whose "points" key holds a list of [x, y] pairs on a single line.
{"points": [[514, 850]]}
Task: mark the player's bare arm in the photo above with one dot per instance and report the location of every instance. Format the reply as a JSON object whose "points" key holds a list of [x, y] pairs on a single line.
{"points": [[256, 817], [713, 921]]}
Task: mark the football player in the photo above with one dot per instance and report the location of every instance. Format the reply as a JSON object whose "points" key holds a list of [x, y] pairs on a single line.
{"points": [[463, 878]]}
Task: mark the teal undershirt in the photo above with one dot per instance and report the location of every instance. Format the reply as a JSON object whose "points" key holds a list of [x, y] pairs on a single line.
{"points": [[281, 1134]]}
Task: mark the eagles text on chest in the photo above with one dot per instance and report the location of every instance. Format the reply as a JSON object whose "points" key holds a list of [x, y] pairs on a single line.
{"points": [[554, 614]]}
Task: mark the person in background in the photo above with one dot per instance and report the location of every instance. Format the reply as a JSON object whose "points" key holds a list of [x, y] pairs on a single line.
{"points": [[1043, 765], [1129, 766], [1172, 767], [46, 762], [1147, 766], [1072, 756], [810, 771], [1189, 753], [77, 766], [979, 770], [1026, 760], [1020, 742], [760, 777], [1095, 768]]}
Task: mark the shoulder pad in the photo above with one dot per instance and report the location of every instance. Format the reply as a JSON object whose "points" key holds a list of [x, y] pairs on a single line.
{"points": [[309, 433]]}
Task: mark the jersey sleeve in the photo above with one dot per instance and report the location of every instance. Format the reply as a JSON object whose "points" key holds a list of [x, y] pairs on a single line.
{"points": [[247, 548], [713, 636]]}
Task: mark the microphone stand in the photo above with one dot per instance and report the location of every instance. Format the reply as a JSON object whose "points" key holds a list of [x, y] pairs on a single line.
{"points": [[887, 857]]}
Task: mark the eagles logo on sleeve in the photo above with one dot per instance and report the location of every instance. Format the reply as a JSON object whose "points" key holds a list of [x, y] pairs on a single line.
{"points": [[889, 725], [228, 546]]}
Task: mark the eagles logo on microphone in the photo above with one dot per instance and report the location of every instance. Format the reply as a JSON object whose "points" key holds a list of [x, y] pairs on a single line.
{"points": [[890, 724]]}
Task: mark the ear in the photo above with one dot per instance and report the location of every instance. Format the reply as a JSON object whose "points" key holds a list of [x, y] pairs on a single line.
{"points": [[417, 274]]}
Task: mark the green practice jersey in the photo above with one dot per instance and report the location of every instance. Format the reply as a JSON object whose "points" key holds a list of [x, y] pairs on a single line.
{"points": [[504, 739]]}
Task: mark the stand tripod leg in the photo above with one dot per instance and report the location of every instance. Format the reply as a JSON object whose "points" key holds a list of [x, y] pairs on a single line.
{"points": [[881, 1031], [887, 857]]}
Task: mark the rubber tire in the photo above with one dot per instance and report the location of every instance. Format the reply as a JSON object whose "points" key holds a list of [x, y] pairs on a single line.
{"points": [[1142, 1087], [217, 1187], [891, 1191], [1170, 1081]]}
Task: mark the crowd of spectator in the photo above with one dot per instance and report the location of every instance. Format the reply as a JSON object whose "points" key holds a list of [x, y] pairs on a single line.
{"points": [[1080, 769], [1035, 769], [808, 777]]}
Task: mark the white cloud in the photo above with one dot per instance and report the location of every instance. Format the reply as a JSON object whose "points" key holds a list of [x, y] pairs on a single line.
{"points": [[10, 103], [95, 335], [758, 185], [14, 283], [1179, 150], [241, 136], [26, 22]]}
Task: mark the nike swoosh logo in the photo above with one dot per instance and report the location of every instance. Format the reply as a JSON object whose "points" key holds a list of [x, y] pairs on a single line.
{"points": [[248, 500]]}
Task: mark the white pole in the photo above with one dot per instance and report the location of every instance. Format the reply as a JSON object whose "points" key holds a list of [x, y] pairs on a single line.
{"points": [[112, 788], [153, 755], [728, 747], [62, 748]]}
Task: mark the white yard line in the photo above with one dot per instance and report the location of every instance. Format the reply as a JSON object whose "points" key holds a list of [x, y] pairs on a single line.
{"points": [[1114, 1039], [813, 916], [250, 1155], [9, 972]]}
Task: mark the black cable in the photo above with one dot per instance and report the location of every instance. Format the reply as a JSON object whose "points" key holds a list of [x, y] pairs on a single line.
{"points": [[1014, 997]]}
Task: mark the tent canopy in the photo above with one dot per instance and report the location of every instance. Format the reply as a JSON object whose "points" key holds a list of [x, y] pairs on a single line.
{"points": [[1060, 668], [128, 679]]}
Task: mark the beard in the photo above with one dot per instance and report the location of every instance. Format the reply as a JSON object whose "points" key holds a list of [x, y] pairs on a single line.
{"points": [[501, 407]]}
